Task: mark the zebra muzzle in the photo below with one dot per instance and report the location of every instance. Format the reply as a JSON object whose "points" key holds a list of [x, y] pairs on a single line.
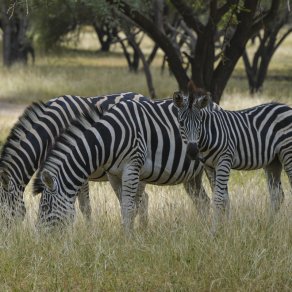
{"points": [[192, 151]]}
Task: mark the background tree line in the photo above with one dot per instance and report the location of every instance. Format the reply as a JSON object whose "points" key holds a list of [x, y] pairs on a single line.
{"points": [[201, 40]]}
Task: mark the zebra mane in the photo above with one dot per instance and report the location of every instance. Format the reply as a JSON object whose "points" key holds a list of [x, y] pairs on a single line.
{"points": [[21, 128], [66, 139]]}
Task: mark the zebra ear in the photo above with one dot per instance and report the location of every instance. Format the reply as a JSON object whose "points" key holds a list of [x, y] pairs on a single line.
{"points": [[178, 99], [48, 180], [203, 101], [4, 178]]}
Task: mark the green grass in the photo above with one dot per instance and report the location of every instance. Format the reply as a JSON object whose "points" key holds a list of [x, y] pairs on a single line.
{"points": [[177, 251]]}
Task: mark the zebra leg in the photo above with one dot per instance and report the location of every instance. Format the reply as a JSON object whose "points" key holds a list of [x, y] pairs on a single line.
{"points": [[142, 198], [211, 175], [286, 160], [84, 201], [198, 195], [142, 205], [116, 184], [221, 203], [273, 174], [130, 185]]}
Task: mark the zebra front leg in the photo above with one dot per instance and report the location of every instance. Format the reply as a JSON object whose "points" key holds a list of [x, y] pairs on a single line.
{"points": [[221, 203], [116, 183], [198, 195], [130, 184], [273, 174], [142, 198], [84, 201], [142, 205], [211, 175]]}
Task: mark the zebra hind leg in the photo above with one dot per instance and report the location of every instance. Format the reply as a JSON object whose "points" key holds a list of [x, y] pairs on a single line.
{"points": [[273, 174], [84, 201], [198, 195]]}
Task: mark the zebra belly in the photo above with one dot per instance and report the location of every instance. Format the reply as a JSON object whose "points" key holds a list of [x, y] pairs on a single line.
{"points": [[98, 175], [155, 174], [243, 162], [253, 160]]}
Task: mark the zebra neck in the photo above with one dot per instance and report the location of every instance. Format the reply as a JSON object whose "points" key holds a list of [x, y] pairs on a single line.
{"points": [[208, 131]]}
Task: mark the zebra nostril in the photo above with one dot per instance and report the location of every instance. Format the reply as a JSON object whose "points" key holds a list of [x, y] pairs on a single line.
{"points": [[23, 210], [45, 208], [192, 151]]}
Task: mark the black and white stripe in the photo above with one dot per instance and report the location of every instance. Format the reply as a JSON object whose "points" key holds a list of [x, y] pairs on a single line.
{"points": [[32, 136], [258, 137], [133, 142]]}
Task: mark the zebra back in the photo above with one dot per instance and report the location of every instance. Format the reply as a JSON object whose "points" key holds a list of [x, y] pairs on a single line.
{"points": [[36, 130]]}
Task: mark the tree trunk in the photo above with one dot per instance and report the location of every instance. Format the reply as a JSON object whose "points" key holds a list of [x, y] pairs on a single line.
{"points": [[234, 51], [105, 35], [268, 44], [16, 46], [145, 66]]}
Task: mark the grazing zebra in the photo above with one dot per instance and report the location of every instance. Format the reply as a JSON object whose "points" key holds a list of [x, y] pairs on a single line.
{"points": [[258, 137], [132, 142], [30, 139]]}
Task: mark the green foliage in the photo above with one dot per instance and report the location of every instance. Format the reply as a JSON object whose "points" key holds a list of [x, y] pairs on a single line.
{"points": [[52, 20]]}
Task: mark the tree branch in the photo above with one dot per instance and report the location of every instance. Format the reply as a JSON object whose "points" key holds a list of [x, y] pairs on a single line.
{"points": [[223, 9], [266, 17], [282, 38], [188, 15], [174, 57]]}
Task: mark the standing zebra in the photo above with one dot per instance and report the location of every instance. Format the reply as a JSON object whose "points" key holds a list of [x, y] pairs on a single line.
{"points": [[258, 137], [32, 136], [132, 142]]}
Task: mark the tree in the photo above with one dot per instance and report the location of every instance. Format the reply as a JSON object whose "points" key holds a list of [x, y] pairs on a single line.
{"points": [[16, 44], [204, 42], [105, 33], [268, 41], [238, 20]]}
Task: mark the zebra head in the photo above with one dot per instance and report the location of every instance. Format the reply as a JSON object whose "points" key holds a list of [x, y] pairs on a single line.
{"points": [[189, 116], [11, 198], [55, 208]]}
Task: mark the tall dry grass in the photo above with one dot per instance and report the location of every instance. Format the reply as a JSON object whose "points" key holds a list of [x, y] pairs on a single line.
{"points": [[176, 252], [252, 252]]}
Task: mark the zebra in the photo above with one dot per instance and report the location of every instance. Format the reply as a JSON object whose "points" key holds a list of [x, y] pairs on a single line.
{"points": [[133, 142], [32, 136], [257, 137]]}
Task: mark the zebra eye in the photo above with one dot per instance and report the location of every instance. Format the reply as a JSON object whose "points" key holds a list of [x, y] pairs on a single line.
{"points": [[6, 187], [45, 208], [181, 122]]}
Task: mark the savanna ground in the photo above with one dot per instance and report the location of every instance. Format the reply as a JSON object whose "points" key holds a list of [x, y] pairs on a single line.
{"points": [[176, 252]]}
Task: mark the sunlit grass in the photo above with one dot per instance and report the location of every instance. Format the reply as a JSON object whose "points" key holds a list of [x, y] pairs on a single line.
{"points": [[42, 82]]}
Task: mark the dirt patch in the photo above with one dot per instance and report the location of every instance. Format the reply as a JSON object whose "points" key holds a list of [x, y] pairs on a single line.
{"points": [[10, 109]]}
